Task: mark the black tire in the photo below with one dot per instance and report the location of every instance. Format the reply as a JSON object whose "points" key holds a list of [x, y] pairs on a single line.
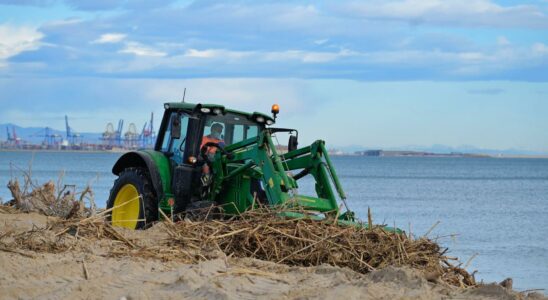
{"points": [[139, 178]]}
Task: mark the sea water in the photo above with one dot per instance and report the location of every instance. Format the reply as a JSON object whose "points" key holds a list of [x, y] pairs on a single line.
{"points": [[492, 210]]}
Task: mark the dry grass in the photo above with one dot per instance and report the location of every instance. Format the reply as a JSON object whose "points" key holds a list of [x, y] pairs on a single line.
{"points": [[260, 234]]}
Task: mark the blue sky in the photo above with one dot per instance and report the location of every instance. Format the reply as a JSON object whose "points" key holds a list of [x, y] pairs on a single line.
{"points": [[372, 73]]}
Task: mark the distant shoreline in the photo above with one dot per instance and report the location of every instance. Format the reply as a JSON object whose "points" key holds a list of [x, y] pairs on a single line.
{"points": [[63, 151], [456, 156], [407, 154]]}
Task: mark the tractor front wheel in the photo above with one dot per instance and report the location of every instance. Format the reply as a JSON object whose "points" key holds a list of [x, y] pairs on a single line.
{"points": [[134, 204]]}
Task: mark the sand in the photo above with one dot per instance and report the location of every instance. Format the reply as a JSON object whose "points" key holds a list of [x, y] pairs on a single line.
{"points": [[88, 272]]}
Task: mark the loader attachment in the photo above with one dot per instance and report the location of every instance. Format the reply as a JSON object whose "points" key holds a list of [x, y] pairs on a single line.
{"points": [[257, 159]]}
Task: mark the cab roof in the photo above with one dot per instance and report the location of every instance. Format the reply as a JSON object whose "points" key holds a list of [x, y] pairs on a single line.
{"points": [[198, 106]]}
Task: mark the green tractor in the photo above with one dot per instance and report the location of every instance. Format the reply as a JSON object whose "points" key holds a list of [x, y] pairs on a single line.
{"points": [[207, 154]]}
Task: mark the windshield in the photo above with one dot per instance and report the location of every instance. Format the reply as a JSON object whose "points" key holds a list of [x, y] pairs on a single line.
{"points": [[230, 128]]}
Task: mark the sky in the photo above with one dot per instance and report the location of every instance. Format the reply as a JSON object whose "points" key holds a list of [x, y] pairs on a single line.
{"points": [[377, 74]]}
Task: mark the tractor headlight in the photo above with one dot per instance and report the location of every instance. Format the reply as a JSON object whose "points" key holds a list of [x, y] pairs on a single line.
{"points": [[269, 122], [192, 160], [260, 119], [217, 111], [205, 110]]}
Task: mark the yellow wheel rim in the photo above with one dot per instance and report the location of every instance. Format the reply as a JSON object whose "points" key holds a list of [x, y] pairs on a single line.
{"points": [[126, 207]]}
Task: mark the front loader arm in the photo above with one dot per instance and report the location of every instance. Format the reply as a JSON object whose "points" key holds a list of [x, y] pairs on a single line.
{"points": [[253, 158], [310, 160], [258, 158]]}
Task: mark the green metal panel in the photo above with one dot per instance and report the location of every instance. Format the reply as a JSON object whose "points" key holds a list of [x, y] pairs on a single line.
{"points": [[315, 204], [323, 186], [242, 144], [332, 172], [164, 169], [302, 162], [235, 197], [278, 163], [364, 225], [271, 179], [295, 153]]}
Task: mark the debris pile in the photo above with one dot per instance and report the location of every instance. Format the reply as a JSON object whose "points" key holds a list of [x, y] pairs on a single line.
{"points": [[260, 234], [49, 201]]}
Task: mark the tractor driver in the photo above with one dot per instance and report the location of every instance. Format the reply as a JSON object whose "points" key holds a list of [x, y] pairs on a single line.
{"points": [[214, 137]]}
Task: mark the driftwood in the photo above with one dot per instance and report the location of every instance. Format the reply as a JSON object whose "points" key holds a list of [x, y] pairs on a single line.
{"points": [[260, 234], [44, 200]]}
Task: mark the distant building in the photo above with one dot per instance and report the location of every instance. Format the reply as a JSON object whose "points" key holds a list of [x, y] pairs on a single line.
{"points": [[335, 152], [370, 153]]}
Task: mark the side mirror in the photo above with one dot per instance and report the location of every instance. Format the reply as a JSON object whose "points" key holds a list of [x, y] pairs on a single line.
{"points": [[293, 143], [175, 127]]}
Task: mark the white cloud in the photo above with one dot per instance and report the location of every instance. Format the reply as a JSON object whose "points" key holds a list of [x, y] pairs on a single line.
{"points": [[540, 49], [448, 63], [296, 55], [14, 40], [297, 15], [64, 22], [141, 50], [307, 56], [109, 38], [503, 41], [450, 12], [321, 41], [217, 53]]}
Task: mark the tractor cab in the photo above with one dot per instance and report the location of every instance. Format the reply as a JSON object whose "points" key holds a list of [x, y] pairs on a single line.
{"points": [[191, 136], [208, 154], [185, 131]]}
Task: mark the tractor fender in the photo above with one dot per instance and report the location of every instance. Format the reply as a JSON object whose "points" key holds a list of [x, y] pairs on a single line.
{"points": [[153, 161]]}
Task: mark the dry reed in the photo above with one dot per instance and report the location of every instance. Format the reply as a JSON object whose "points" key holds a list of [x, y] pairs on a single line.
{"points": [[260, 234]]}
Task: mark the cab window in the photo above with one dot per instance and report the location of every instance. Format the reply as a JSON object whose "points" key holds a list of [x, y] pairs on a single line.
{"points": [[176, 146], [166, 138], [236, 128], [243, 132]]}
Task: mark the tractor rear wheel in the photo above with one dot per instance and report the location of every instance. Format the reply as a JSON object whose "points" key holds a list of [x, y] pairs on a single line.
{"points": [[135, 205]]}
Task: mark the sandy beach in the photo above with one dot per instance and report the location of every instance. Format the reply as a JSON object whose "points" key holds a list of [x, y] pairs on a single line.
{"points": [[86, 271]]}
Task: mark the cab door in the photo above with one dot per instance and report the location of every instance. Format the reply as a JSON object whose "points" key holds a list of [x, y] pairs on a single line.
{"points": [[175, 145], [175, 136]]}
